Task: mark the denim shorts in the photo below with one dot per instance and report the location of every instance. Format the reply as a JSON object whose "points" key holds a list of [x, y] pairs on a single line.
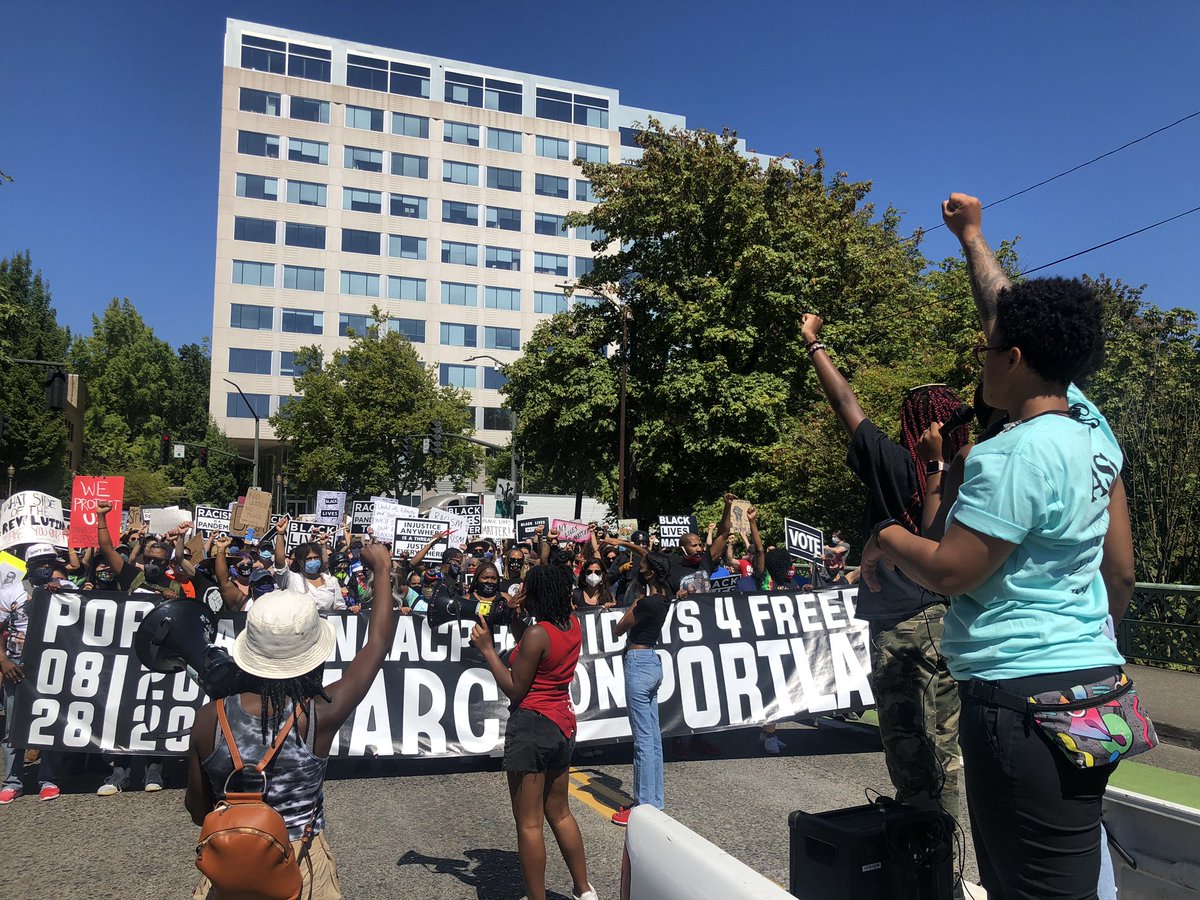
{"points": [[532, 743]]}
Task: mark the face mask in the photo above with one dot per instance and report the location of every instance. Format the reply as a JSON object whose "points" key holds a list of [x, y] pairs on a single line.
{"points": [[342, 576], [643, 578], [243, 571], [514, 565], [486, 589], [455, 570], [41, 576], [154, 570], [106, 576], [593, 578], [692, 560], [312, 566], [266, 555]]}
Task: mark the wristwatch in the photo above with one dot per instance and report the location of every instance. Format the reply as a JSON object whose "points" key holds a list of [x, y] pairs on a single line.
{"points": [[936, 465]]}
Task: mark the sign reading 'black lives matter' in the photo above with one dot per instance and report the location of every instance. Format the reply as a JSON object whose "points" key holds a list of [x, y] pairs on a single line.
{"points": [[729, 661]]}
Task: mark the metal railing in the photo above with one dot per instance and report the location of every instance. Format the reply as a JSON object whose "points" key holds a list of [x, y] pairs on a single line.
{"points": [[1162, 626]]}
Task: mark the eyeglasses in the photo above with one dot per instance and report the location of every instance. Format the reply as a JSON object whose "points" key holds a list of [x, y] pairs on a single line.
{"points": [[981, 351]]}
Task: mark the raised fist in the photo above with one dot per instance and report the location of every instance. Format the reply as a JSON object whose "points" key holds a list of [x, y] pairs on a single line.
{"points": [[810, 327], [963, 215]]}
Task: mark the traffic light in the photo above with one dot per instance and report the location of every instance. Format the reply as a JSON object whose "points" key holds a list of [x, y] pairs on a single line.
{"points": [[203, 454], [408, 446], [56, 390], [164, 450], [435, 435]]}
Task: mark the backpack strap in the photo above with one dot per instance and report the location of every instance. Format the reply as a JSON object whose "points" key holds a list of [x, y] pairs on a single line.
{"points": [[236, 757]]}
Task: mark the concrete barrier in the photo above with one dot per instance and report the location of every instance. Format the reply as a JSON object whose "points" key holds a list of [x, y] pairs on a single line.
{"points": [[1163, 838]]}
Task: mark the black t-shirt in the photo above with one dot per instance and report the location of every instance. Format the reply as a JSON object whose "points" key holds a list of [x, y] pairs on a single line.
{"points": [[648, 618], [681, 571], [887, 471], [578, 602]]}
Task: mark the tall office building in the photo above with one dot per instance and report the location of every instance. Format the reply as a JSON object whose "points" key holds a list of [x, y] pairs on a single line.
{"points": [[355, 176]]}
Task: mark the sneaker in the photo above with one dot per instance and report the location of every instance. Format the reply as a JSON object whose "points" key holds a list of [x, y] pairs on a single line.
{"points": [[772, 745], [589, 894], [621, 816], [679, 748], [49, 792], [8, 795], [704, 746], [114, 783], [153, 781]]}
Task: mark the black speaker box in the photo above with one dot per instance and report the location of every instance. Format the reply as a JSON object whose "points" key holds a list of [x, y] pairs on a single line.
{"points": [[881, 850]]}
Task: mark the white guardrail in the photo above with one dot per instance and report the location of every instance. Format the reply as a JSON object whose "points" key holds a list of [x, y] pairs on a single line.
{"points": [[1163, 838]]}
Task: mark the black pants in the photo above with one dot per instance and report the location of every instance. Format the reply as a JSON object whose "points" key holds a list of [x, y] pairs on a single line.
{"points": [[1035, 817]]}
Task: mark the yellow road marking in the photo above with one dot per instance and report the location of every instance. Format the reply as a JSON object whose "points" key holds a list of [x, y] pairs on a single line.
{"points": [[584, 788]]}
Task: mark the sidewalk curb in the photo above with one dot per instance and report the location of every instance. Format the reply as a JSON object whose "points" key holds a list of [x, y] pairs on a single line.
{"points": [[1178, 735]]}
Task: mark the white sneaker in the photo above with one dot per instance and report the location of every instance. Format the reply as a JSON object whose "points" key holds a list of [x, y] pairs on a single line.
{"points": [[114, 783], [773, 745], [589, 894]]}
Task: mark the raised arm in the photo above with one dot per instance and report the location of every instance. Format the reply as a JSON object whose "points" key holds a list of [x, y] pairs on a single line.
{"points": [[187, 571], [232, 597], [1116, 566], [760, 554], [717, 548], [281, 528], [416, 560], [963, 215], [111, 556], [833, 383]]}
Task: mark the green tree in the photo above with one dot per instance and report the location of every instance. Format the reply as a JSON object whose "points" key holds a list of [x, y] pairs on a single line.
{"points": [[347, 425]]}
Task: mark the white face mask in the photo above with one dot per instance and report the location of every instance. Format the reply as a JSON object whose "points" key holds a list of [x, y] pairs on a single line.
{"points": [[593, 578]]}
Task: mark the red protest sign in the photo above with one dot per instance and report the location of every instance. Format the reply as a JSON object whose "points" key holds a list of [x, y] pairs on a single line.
{"points": [[86, 492]]}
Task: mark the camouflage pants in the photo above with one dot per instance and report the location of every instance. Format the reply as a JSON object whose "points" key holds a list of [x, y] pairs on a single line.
{"points": [[917, 702]]}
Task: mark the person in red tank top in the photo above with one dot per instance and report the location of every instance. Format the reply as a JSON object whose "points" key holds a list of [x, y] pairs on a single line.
{"points": [[540, 736]]}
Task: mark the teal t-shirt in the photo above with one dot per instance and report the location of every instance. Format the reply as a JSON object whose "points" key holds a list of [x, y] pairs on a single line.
{"points": [[1043, 485]]}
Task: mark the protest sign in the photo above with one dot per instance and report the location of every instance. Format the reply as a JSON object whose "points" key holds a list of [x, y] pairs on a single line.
{"points": [[302, 532], [361, 513], [384, 514], [739, 522], [571, 531], [497, 529], [472, 512], [803, 541], [527, 527], [134, 518], [12, 568], [256, 511], [330, 506], [86, 492], [672, 528], [458, 525], [728, 662], [410, 536], [722, 584], [165, 518], [626, 528], [211, 520], [31, 517]]}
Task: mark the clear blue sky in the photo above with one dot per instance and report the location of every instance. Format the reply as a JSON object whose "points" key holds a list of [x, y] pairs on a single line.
{"points": [[111, 117]]}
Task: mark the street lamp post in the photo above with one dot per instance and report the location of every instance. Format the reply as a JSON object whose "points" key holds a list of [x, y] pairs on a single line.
{"points": [[11, 472], [512, 448], [253, 412]]}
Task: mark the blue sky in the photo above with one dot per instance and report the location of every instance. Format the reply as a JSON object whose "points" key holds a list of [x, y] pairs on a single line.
{"points": [[111, 117]]}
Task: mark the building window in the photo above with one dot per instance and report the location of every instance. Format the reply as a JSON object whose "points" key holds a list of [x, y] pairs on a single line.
{"points": [[502, 298], [460, 254], [303, 321], [551, 186], [263, 54], [360, 284], [309, 62], [503, 179], [257, 187], [250, 362], [497, 419], [590, 233], [263, 102], [460, 213], [411, 81], [466, 90], [257, 318], [595, 153], [306, 193], [504, 219], [553, 148], [364, 159], [287, 364], [359, 200], [413, 329], [410, 166], [359, 324], [303, 278], [254, 144], [460, 133], [406, 247], [548, 223], [364, 117], [549, 263], [502, 258], [554, 105], [408, 206], [458, 335], [456, 294], [591, 111], [305, 109], [629, 136], [355, 241], [456, 376], [501, 139], [298, 234], [261, 231], [402, 288], [502, 338], [459, 172], [365, 72], [503, 96], [409, 125], [235, 406], [316, 152], [584, 265], [584, 192], [548, 304], [256, 273], [493, 380]]}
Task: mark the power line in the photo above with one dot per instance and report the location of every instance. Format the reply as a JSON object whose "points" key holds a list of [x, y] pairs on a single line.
{"points": [[1081, 166]]}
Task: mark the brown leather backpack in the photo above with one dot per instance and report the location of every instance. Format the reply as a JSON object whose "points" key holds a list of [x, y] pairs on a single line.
{"points": [[244, 848]]}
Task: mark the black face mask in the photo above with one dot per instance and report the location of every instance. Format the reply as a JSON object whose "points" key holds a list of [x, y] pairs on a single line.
{"points": [[486, 589], [106, 576], [41, 576], [643, 578], [455, 570], [154, 570]]}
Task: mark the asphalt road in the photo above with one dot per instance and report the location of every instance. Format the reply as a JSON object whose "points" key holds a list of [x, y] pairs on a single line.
{"points": [[444, 829]]}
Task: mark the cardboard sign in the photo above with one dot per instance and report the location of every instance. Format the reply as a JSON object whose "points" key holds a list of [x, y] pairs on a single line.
{"points": [[472, 512], [211, 520], [527, 527], [672, 528], [568, 530], [739, 522], [803, 541], [196, 546], [497, 529], [31, 517], [256, 511], [86, 492], [412, 534], [132, 519], [458, 525], [330, 506], [384, 514], [626, 528], [361, 513]]}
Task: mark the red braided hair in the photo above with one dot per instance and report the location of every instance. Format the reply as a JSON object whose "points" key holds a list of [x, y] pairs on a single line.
{"points": [[922, 407]]}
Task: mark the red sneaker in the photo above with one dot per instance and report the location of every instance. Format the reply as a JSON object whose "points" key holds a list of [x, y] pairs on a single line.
{"points": [[8, 795], [49, 792], [621, 816]]}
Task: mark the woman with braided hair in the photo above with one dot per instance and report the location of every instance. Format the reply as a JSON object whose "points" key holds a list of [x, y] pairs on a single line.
{"points": [[916, 698]]}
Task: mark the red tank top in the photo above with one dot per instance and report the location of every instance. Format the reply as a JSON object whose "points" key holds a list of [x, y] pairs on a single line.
{"points": [[550, 693]]}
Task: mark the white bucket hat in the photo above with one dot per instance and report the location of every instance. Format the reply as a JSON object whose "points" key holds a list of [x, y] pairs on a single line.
{"points": [[284, 637]]}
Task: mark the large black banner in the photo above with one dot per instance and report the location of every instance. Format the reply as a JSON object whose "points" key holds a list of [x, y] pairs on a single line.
{"points": [[729, 661]]}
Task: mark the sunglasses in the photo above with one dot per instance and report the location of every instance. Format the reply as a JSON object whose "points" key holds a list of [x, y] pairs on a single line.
{"points": [[980, 351]]}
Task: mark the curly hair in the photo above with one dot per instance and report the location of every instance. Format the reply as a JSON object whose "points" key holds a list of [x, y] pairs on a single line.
{"points": [[778, 565], [1058, 325], [548, 595]]}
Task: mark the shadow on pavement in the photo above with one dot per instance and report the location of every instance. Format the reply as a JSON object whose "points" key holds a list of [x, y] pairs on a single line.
{"points": [[492, 874]]}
